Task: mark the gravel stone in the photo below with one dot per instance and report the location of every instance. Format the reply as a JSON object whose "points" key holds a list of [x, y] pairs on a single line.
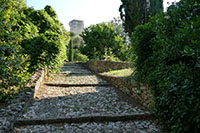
{"points": [[65, 102]]}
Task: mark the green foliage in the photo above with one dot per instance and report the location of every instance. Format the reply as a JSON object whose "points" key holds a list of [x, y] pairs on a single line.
{"points": [[15, 5], [100, 36], [47, 42], [118, 25], [72, 34], [45, 50], [80, 57], [167, 56], [30, 39], [132, 13], [109, 56], [142, 42], [137, 12], [51, 12], [13, 65], [71, 51], [77, 41], [156, 6]]}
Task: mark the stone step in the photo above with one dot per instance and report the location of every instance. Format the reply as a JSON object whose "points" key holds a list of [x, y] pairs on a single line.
{"points": [[143, 126], [56, 102], [77, 73], [86, 118], [69, 78], [76, 100], [73, 64], [77, 85]]}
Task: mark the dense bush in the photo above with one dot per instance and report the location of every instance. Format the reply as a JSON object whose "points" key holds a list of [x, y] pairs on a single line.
{"points": [[29, 39], [100, 36], [109, 56], [79, 57], [45, 50], [13, 65], [47, 47], [167, 56], [142, 41]]}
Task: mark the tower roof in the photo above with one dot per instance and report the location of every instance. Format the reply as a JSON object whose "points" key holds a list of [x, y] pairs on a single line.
{"points": [[75, 20]]}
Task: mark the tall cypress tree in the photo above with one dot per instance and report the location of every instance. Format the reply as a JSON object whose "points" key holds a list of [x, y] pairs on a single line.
{"points": [[132, 13], [136, 12], [71, 52], [156, 6], [71, 47]]}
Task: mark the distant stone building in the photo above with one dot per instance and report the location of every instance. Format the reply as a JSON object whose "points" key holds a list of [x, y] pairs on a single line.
{"points": [[76, 26]]}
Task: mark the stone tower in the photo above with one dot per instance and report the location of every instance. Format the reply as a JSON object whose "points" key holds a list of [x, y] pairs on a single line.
{"points": [[76, 26]]}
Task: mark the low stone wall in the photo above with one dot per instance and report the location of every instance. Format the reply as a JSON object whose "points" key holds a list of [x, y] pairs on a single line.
{"points": [[105, 66], [139, 92], [36, 80]]}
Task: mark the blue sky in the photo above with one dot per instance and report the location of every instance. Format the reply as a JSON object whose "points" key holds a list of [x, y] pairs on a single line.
{"points": [[90, 11]]}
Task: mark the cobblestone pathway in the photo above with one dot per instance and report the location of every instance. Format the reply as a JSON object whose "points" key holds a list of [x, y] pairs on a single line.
{"points": [[78, 101]]}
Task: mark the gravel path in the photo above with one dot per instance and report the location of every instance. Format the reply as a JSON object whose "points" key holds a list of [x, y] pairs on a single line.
{"points": [[77, 101], [73, 102]]}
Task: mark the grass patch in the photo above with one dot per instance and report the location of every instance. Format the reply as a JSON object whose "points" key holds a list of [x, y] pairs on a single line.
{"points": [[119, 73]]}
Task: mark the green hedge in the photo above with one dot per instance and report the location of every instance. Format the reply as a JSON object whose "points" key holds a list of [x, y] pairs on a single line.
{"points": [[166, 55], [13, 64], [29, 39]]}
